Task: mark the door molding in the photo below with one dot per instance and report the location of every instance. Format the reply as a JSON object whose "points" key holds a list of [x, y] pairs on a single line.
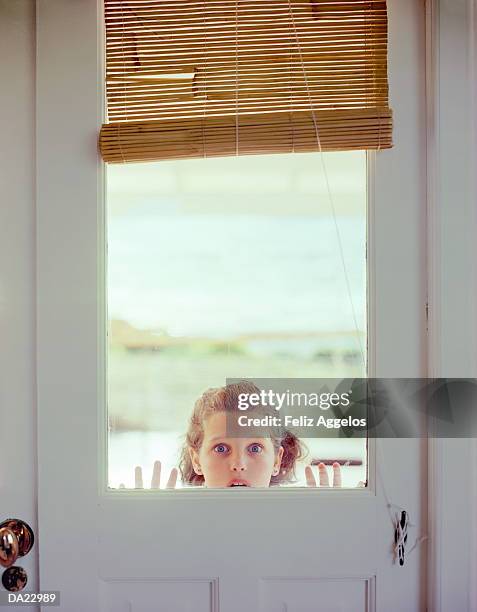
{"points": [[451, 94]]}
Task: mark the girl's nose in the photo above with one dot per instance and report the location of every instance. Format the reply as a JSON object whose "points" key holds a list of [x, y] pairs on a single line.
{"points": [[237, 463]]}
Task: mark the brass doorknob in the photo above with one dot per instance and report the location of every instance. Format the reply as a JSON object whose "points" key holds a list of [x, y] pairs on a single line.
{"points": [[24, 534], [16, 540], [8, 547]]}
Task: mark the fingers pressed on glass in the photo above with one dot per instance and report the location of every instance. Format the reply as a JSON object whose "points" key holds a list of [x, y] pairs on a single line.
{"points": [[336, 474], [324, 480], [310, 477], [156, 475], [138, 484], [171, 483]]}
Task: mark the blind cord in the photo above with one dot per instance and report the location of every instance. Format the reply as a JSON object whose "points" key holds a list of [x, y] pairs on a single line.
{"points": [[400, 520], [328, 188]]}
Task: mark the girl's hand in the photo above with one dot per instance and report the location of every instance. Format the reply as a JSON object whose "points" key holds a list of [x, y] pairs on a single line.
{"points": [[156, 478], [323, 473]]}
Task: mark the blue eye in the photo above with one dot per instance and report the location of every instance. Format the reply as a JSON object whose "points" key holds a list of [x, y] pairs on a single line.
{"points": [[255, 448], [220, 448]]}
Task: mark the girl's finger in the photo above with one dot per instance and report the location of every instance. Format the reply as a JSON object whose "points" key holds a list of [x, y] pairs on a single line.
{"points": [[310, 477], [171, 483], [156, 475], [138, 478], [324, 480], [336, 474]]}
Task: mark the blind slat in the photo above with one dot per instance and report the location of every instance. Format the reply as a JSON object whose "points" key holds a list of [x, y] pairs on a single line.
{"points": [[188, 78]]}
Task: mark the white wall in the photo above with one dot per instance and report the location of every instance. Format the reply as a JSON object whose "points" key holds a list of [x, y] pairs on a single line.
{"points": [[17, 269]]}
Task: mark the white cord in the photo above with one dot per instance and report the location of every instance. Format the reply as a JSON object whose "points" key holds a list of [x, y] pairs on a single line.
{"points": [[330, 196], [400, 520]]}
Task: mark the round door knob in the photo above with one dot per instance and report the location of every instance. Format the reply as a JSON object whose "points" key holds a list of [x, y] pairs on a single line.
{"points": [[14, 578], [8, 547], [23, 532]]}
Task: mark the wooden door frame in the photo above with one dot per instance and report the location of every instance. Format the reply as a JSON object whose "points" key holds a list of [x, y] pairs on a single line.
{"points": [[451, 86]]}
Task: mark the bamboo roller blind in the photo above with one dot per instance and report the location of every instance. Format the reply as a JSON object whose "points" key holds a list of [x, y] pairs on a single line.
{"points": [[201, 78]]}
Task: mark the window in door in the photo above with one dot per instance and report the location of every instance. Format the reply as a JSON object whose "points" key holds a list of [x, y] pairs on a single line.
{"points": [[235, 267]]}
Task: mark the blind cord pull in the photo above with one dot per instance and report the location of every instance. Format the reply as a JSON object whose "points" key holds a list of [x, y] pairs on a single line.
{"points": [[400, 519]]}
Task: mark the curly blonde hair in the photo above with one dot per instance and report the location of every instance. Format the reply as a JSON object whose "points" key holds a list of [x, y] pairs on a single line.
{"points": [[225, 399]]}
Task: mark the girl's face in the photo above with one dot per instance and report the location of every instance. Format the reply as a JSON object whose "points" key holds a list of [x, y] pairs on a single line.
{"points": [[229, 462]]}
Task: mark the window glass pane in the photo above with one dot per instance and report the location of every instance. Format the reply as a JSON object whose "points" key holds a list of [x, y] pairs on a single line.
{"points": [[230, 267]]}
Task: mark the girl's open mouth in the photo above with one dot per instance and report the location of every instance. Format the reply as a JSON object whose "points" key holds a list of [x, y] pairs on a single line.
{"points": [[238, 483]]}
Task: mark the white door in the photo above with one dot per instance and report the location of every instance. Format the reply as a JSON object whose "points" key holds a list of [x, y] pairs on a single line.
{"points": [[300, 550]]}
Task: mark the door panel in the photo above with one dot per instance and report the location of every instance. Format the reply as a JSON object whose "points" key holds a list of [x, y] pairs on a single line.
{"points": [[304, 550]]}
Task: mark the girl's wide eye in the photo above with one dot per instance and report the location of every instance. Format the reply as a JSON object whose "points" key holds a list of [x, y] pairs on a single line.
{"points": [[220, 448], [255, 448]]}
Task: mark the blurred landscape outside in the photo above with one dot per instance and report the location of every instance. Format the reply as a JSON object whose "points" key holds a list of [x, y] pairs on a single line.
{"points": [[230, 267]]}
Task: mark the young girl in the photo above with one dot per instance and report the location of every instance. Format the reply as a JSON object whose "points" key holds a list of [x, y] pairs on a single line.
{"points": [[212, 458]]}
